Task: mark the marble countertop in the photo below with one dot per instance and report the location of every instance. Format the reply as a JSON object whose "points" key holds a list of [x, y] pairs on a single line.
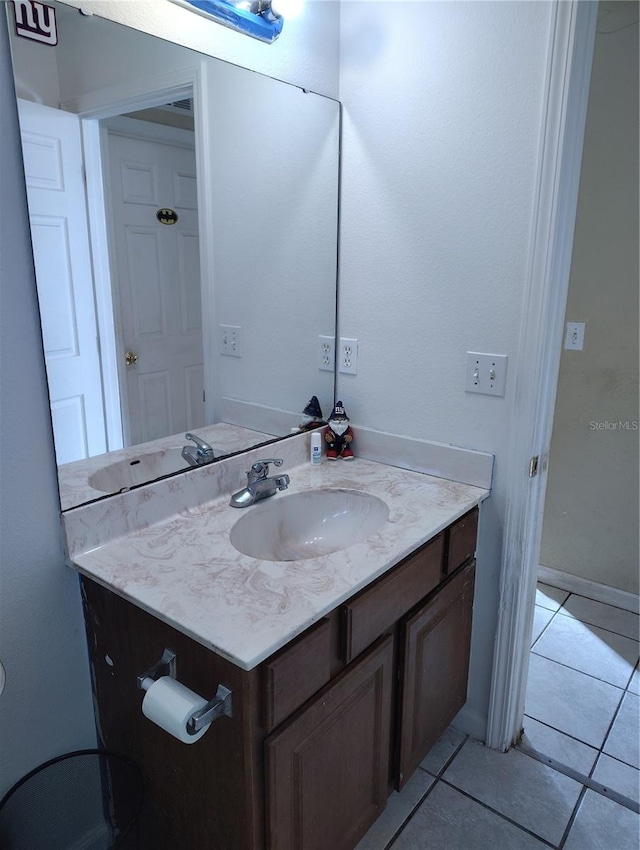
{"points": [[185, 571], [73, 478]]}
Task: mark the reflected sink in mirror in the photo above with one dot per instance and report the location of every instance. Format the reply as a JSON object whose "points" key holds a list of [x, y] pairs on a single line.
{"points": [[133, 471], [308, 525]]}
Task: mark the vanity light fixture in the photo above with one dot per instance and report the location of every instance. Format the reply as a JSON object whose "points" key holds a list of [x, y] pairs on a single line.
{"points": [[261, 19], [288, 9]]}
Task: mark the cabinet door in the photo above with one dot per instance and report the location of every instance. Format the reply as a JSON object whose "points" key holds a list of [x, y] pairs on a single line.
{"points": [[327, 767], [435, 644]]}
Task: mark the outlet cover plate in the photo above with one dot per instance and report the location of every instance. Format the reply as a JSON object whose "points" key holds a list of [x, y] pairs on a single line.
{"points": [[326, 353], [348, 356], [486, 373]]}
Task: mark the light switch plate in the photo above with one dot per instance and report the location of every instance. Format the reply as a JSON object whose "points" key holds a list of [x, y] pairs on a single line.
{"points": [[574, 336], [230, 340], [486, 373]]}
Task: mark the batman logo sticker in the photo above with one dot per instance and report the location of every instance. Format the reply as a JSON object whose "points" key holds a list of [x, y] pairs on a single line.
{"points": [[167, 216]]}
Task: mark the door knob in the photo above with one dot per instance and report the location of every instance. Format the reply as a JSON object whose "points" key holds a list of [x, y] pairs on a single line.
{"points": [[130, 358]]}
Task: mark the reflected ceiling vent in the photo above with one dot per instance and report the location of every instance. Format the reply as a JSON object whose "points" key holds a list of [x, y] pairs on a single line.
{"points": [[179, 107]]}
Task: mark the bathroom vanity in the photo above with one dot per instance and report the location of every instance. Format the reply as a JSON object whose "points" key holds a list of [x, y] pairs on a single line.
{"points": [[328, 724]]}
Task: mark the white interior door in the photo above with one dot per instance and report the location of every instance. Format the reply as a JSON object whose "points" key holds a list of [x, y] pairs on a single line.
{"points": [[156, 278], [57, 210]]}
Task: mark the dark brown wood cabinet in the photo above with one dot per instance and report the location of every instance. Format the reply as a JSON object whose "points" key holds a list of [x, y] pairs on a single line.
{"points": [[320, 732], [434, 667], [327, 767]]}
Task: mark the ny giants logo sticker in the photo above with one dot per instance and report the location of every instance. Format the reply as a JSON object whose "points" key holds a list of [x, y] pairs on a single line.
{"points": [[36, 21]]}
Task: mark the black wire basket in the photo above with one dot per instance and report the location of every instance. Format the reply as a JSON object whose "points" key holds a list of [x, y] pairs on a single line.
{"points": [[86, 799]]}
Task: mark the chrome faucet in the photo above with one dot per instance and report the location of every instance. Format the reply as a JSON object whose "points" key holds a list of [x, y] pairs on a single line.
{"points": [[259, 486], [199, 454]]}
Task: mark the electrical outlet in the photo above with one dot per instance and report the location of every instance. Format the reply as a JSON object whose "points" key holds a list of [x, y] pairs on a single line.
{"points": [[486, 373], [326, 353], [348, 356], [230, 340]]}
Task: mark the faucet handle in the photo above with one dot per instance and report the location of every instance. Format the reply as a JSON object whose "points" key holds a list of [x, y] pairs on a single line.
{"points": [[261, 467], [199, 442]]}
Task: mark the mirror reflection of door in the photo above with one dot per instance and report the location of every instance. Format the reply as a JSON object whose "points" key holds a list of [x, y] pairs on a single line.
{"points": [[52, 154], [155, 277]]}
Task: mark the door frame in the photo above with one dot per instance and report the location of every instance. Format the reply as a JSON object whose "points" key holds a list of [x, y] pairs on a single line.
{"points": [[572, 38], [110, 102]]}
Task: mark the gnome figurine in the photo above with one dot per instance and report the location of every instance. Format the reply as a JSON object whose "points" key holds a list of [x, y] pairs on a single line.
{"points": [[313, 414], [338, 435]]}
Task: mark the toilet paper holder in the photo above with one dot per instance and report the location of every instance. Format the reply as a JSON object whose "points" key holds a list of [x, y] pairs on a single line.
{"points": [[220, 705]]}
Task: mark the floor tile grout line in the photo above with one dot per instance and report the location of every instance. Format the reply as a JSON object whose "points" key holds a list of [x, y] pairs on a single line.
{"points": [[590, 598], [436, 779], [573, 618], [596, 626], [619, 760], [501, 815], [633, 673], [608, 732], [607, 604], [448, 761], [575, 669], [561, 732], [572, 819], [582, 778], [405, 822], [584, 622], [551, 619], [553, 610]]}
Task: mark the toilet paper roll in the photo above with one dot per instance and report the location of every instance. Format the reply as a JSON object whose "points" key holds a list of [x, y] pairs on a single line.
{"points": [[170, 705]]}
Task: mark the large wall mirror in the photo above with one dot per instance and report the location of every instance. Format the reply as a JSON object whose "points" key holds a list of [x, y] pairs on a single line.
{"points": [[184, 225]]}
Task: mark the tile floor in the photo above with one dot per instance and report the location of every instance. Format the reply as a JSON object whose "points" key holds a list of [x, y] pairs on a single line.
{"points": [[582, 707], [572, 784]]}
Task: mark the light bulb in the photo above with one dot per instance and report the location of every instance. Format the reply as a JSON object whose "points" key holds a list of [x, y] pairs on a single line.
{"points": [[287, 8]]}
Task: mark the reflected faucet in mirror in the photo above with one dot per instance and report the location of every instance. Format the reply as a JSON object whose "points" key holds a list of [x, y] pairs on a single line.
{"points": [[199, 454], [142, 271]]}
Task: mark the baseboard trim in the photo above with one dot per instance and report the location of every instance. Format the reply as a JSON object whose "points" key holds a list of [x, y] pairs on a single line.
{"points": [[591, 589], [471, 723]]}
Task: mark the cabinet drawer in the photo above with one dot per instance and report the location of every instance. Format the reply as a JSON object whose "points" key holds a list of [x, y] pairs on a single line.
{"points": [[462, 541], [297, 672], [367, 615]]}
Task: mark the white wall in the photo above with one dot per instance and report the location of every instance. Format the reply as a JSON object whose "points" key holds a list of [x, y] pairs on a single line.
{"points": [[442, 114], [591, 510], [273, 169], [46, 707]]}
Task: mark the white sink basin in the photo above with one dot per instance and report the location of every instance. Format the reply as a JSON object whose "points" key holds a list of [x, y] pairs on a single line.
{"points": [[307, 525], [137, 470]]}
